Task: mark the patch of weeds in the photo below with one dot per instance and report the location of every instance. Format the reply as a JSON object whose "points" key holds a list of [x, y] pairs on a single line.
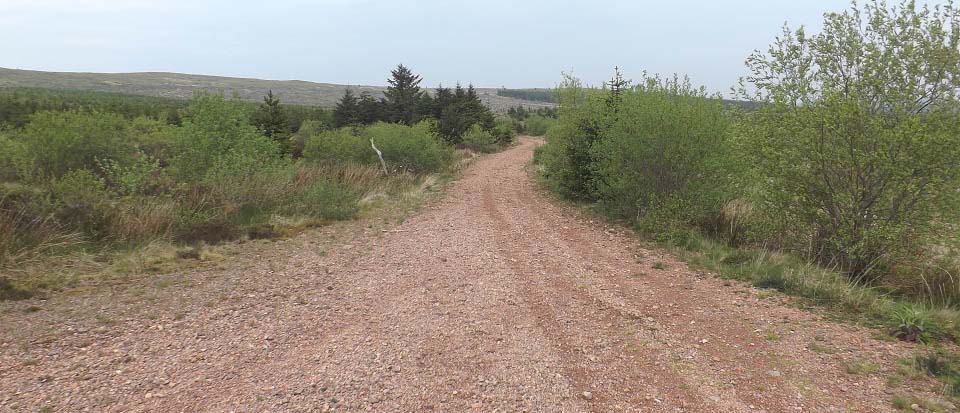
{"points": [[861, 367], [914, 323], [189, 253], [944, 365], [881, 336], [906, 403], [820, 348], [738, 257], [773, 337], [104, 320], [902, 402], [9, 291], [659, 265], [763, 295], [162, 283]]}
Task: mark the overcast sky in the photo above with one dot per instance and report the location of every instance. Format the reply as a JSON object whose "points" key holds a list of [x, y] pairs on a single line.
{"points": [[491, 43]]}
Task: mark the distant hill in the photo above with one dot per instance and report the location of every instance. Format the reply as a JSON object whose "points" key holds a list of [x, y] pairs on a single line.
{"points": [[177, 85]]}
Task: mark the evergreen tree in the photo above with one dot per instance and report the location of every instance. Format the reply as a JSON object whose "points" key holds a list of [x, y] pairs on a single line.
{"points": [[442, 98], [270, 118], [425, 105], [371, 110], [617, 85], [347, 111], [458, 110], [402, 95]]}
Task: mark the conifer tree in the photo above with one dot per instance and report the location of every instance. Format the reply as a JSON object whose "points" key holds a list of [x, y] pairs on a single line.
{"points": [[347, 111], [270, 118], [370, 110], [617, 85], [402, 95]]}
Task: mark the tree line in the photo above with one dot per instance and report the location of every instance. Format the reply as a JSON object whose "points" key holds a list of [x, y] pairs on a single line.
{"points": [[454, 110]]}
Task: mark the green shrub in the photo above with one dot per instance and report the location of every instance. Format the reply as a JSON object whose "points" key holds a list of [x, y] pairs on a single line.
{"points": [[505, 130], [57, 142], [568, 158], [11, 154], [305, 130], [480, 140], [154, 138], [664, 155], [538, 125], [414, 149], [339, 145], [216, 135], [856, 141], [82, 201], [141, 176]]}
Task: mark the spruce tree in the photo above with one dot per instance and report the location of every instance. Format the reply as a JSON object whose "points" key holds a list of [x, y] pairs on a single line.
{"points": [[347, 111], [371, 110], [402, 95], [617, 85], [270, 119]]}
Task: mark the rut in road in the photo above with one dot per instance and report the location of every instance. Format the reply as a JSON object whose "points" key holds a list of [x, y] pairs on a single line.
{"points": [[494, 298]]}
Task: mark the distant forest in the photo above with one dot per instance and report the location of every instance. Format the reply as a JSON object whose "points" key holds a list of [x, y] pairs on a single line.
{"points": [[536, 95], [18, 104]]}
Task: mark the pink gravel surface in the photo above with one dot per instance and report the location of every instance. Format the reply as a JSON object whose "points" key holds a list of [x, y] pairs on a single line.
{"points": [[493, 298]]}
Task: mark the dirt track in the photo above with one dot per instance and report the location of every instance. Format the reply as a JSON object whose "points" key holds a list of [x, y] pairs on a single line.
{"points": [[491, 299]]}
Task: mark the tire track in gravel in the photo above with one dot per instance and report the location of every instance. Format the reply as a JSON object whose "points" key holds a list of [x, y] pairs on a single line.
{"points": [[493, 298]]}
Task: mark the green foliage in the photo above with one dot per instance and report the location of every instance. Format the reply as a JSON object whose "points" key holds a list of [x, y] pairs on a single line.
{"points": [[944, 365], [140, 177], [915, 324], [568, 159], [403, 96], [339, 145], [414, 149], [856, 142], [17, 105], [327, 199], [480, 140], [271, 119], [11, 152], [55, 143], [538, 125], [371, 110], [505, 130], [522, 113], [154, 138], [457, 110], [347, 111], [663, 152], [81, 200], [536, 95], [216, 139]]}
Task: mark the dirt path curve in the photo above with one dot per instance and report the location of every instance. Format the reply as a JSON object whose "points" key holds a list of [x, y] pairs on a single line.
{"points": [[491, 299]]}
